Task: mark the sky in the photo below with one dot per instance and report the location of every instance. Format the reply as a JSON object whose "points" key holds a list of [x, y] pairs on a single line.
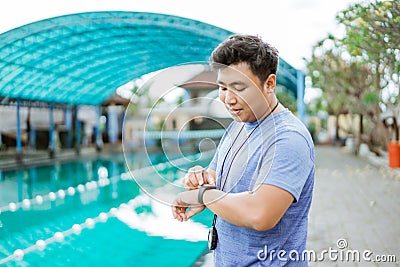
{"points": [[292, 26]]}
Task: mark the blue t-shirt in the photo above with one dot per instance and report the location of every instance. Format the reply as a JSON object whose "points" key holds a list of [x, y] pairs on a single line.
{"points": [[278, 152]]}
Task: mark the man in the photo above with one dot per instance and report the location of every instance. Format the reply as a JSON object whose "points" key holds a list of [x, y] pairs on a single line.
{"points": [[263, 170]]}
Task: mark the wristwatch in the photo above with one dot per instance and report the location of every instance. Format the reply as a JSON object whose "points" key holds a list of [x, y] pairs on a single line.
{"points": [[202, 189]]}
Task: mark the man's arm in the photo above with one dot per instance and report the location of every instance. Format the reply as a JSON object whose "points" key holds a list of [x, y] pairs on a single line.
{"points": [[194, 178], [260, 210]]}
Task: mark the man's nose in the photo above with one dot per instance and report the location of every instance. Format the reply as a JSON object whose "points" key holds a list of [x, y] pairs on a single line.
{"points": [[230, 97]]}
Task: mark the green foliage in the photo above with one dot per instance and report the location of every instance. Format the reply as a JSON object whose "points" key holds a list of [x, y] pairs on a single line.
{"points": [[159, 101], [373, 35], [342, 81], [179, 102], [286, 98], [138, 94], [317, 105], [370, 98], [359, 72], [353, 70], [131, 110]]}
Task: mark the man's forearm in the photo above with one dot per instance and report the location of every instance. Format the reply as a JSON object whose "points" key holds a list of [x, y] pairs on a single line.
{"points": [[236, 208], [259, 210]]}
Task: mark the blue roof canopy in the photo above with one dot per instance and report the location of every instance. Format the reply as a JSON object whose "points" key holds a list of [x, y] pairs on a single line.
{"points": [[83, 58]]}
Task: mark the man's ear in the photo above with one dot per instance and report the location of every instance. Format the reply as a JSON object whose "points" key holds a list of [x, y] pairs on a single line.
{"points": [[270, 83]]}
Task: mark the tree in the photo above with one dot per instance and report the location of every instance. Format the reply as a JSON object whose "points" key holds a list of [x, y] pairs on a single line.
{"points": [[358, 72], [373, 36], [346, 84]]}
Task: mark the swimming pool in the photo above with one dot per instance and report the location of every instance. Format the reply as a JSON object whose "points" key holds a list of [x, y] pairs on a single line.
{"points": [[91, 213]]}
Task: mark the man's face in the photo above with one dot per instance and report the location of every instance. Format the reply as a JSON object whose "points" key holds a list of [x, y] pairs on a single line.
{"points": [[242, 93]]}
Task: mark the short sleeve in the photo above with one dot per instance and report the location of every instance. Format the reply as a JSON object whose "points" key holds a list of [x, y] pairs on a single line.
{"points": [[288, 163]]}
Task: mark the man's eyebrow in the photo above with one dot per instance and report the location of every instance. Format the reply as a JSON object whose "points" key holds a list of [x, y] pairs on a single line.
{"points": [[231, 84]]}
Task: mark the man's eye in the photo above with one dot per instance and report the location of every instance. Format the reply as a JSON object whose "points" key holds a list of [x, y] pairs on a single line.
{"points": [[222, 88]]}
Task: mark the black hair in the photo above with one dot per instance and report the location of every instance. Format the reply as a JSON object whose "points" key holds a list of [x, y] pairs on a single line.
{"points": [[261, 57]]}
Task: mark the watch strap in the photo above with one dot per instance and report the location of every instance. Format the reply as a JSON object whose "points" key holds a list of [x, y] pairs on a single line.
{"points": [[202, 189]]}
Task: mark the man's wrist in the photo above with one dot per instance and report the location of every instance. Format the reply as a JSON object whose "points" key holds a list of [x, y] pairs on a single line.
{"points": [[202, 189]]}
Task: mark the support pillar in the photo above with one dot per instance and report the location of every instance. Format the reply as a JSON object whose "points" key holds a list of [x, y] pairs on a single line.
{"points": [[51, 131], [77, 131], [32, 138], [68, 125], [112, 122], [99, 139], [19, 143]]}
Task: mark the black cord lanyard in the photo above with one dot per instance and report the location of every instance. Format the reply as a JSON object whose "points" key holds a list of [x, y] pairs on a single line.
{"points": [[234, 156]]}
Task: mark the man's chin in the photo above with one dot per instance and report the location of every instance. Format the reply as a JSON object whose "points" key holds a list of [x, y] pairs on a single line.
{"points": [[236, 118]]}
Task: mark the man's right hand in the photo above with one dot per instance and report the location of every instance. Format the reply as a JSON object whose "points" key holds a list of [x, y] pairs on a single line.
{"points": [[197, 176]]}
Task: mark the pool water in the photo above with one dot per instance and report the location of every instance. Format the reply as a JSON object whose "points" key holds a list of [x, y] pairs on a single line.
{"points": [[101, 218]]}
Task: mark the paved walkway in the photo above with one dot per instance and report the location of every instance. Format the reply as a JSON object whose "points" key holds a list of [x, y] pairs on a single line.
{"points": [[356, 201]]}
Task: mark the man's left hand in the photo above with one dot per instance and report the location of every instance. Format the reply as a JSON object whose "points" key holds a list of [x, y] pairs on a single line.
{"points": [[186, 205]]}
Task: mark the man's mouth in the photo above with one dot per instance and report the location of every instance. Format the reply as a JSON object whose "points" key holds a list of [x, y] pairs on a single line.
{"points": [[235, 111]]}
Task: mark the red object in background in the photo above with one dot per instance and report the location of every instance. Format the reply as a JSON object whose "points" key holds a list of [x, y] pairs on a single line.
{"points": [[394, 154]]}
